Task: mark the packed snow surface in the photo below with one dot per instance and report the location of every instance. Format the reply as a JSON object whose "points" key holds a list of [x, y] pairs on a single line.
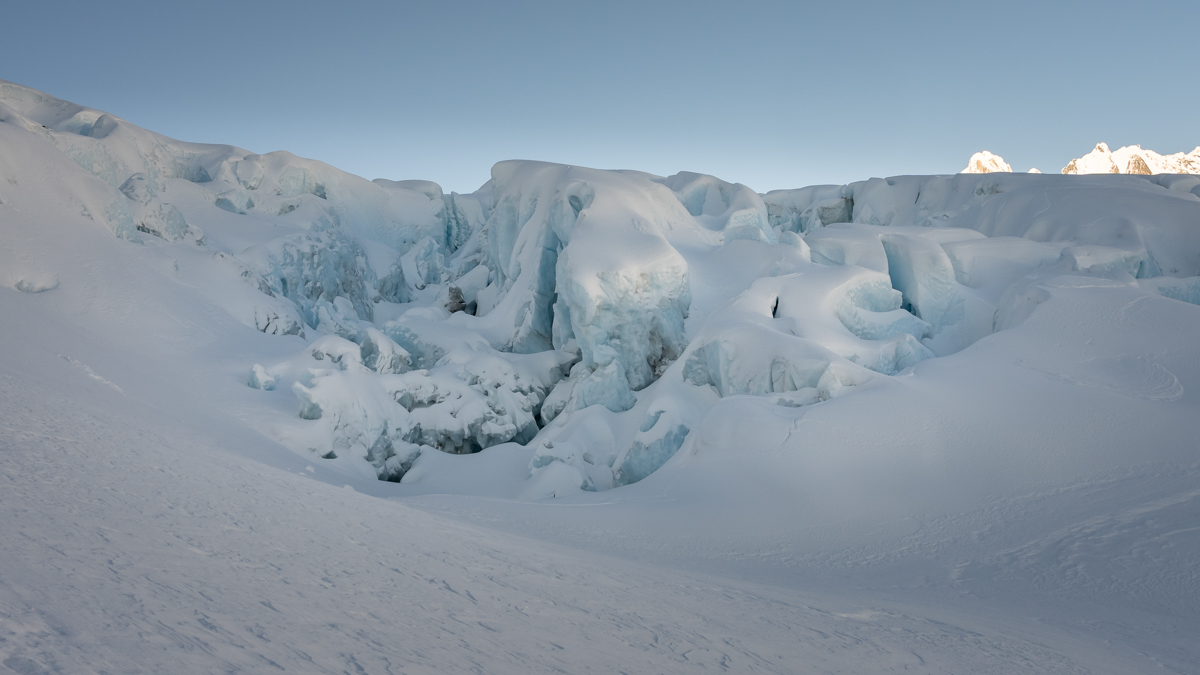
{"points": [[260, 414]]}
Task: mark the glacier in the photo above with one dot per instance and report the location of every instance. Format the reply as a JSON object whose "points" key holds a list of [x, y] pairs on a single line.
{"points": [[594, 272], [964, 405], [419, 293]]}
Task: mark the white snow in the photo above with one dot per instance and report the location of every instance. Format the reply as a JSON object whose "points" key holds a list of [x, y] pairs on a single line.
{"points": [[589, 420], [986, 162], [1133, 159]]}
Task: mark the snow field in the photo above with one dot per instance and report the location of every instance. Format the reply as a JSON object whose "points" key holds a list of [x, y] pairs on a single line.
{"points": [[591, 420]]}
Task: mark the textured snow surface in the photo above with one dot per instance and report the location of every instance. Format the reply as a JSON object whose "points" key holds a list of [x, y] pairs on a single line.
{"points": [[260, 414]]}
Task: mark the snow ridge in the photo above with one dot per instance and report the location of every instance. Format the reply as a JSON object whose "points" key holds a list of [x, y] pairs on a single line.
{"points": [[1133, 159]]}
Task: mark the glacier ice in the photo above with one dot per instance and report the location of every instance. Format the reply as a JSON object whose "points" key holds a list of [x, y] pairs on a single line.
{"points": [[1186, 290], [921, 270], [730, 208], [423, 264], [381, 354], [594, 316], [261, 379], [995, 261], [367, 404], [356, 421], [580, 256], [807, 209], [651, 448], [339, 351], [584, 265], [847, 246], [314, 269], [469, 286], [795, 421]]}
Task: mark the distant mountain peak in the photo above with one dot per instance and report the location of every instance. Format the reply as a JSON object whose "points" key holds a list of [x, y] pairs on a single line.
{"points": [[986, 162], [1133, 159]]}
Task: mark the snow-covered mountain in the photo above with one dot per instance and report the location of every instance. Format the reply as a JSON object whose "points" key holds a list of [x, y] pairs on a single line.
{"points": [[1133, 159], [1129, 159], [589, 420], [986, 162]]}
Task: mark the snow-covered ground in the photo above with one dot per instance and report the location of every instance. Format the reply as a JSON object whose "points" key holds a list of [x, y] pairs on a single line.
{"points": [[260, 414]]}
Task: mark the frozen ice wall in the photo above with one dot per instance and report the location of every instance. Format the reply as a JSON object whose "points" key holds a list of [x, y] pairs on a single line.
{"points": [[580, 260]]}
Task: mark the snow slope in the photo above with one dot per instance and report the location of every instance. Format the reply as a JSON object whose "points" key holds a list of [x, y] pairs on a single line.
{"points": [[638, 424]]}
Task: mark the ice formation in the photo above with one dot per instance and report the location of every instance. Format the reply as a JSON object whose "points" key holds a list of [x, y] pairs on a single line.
{"points": [[848, 428], [594, 317]]}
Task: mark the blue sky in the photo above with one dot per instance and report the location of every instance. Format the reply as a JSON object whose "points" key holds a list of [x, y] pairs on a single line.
{"points": [[769, 94]]}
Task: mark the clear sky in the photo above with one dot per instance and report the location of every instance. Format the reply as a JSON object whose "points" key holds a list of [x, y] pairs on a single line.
{"points": [[770, 94]]}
